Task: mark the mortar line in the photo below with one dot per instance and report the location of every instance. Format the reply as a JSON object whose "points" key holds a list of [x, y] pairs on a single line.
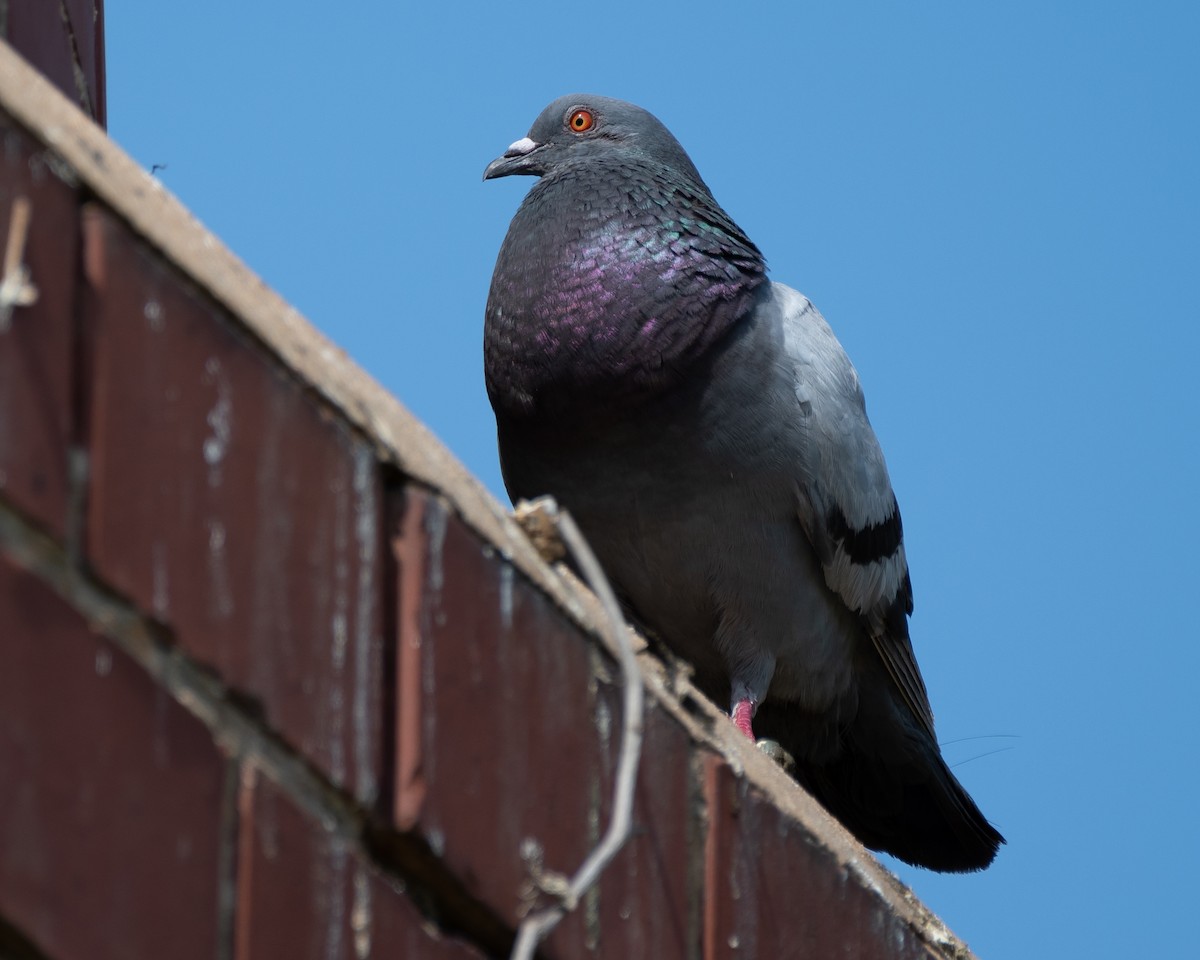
{"points": [[77, 74]]}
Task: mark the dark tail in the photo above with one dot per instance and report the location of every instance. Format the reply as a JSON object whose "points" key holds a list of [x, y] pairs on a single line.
{"points": [[888, 785]]}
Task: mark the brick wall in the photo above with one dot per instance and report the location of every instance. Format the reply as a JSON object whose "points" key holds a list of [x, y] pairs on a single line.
{"points": [[64, 39], [280, 679]]}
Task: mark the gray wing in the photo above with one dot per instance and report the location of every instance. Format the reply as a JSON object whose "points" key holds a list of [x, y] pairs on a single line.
{"points": [[845, 500]]}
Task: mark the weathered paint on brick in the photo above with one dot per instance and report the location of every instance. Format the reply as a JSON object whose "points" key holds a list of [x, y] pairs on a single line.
{"points": [[508, 742], [649, 897], [36, 348], [110, 806], [231, 507], [771, 891], [308, 894], [409, 554]]}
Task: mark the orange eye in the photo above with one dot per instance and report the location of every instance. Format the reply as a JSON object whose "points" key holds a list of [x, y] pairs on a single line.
{"points": [[581, 120]]}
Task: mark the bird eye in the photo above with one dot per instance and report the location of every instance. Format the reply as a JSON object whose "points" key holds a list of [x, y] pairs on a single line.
{"points": [[581, 120]]}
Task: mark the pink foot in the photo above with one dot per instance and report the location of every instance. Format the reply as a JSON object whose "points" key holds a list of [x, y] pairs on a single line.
{"points": [[743, 713]]}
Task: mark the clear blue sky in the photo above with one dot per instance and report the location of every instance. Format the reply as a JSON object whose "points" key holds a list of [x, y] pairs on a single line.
{"points": [[997, 206]]}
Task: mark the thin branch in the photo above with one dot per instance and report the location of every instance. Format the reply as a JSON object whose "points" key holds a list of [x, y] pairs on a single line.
{"points": [[538, 925]]}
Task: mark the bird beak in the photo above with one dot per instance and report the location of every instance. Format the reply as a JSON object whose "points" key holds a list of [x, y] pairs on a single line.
{"points": [[516, 159]]}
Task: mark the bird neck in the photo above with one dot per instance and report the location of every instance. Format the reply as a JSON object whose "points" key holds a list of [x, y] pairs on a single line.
{"points": [[614, 279]]}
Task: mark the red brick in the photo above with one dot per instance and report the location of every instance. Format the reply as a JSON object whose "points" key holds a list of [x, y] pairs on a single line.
{"points": [[304, 892], [87, 26], [501, 744], [771, 891], [36, 349], [110, 811], [36, 30], [231, 506], [649, 900]]}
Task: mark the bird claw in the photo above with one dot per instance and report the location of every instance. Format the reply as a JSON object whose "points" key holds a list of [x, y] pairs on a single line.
{"points": [[774, 750]]}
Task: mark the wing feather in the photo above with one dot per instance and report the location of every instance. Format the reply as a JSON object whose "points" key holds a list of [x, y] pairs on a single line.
{"points": [[845, 502]]}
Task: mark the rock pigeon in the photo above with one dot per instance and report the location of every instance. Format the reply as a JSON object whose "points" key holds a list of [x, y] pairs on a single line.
{"points": [[708, 433]]}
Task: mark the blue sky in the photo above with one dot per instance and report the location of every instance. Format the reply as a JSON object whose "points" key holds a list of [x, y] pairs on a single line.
{"points": [[997, 207]]}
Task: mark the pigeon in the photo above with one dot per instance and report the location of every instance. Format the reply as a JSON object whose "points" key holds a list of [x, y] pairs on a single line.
{"points": [[708, 433]]}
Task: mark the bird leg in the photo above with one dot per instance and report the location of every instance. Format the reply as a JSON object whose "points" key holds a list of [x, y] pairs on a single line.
{"points": [[743, 713]]}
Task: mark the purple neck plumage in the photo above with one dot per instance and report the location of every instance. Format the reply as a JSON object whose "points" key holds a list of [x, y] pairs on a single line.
{"points": [[615, 277]]}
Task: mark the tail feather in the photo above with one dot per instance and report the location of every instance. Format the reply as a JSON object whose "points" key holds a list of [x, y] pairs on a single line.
{"points": [[916, 810], [888, 784]]}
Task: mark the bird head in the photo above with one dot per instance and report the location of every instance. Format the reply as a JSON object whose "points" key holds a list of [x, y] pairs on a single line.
{"points": [[580, 127]]}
